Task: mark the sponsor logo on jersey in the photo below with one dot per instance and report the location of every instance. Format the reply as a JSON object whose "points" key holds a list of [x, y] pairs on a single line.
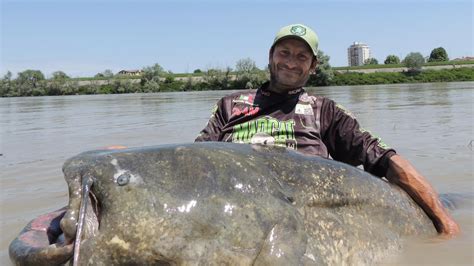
{"points": [[248, 110], [292, 92], [305, 98], [304, 109], [267, 131], [245, 99]]}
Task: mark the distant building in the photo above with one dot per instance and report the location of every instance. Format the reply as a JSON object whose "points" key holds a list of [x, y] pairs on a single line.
{"points": [[357, 54], [133, 72]]}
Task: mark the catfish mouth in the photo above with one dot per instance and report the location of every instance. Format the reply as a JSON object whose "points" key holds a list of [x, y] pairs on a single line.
{"points": [[89, 216], [96, 209], [92, 217]]}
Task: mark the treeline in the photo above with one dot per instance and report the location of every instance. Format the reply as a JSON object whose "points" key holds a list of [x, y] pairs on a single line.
{"points": [[413, 60], [219, 80], [153, 79], [444, 75], [245, 76]]}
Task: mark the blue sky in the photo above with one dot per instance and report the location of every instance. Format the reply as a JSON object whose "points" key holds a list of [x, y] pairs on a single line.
{"points": [[83, 38]]}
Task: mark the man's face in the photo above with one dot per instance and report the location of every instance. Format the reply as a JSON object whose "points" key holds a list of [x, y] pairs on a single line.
{"points": [[290, 64]]}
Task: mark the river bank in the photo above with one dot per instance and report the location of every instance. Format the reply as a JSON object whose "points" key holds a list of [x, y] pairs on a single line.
{"points": [[400, 69], [230, 81]]}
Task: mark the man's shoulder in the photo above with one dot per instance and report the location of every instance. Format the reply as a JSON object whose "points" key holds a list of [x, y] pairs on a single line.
{"points": [[328, 102], [310, 98], [244, 93], [239, 93], [328, 106], [332, 108]]}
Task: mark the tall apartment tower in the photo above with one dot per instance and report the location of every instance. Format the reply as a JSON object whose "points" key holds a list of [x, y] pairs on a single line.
{"points": [[357, 53]]}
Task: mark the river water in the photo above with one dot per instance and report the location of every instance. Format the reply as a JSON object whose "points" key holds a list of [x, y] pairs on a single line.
{"points": [[430, 124]]}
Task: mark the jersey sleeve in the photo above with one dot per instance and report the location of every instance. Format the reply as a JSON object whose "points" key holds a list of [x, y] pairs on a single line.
{"points": [[213, 129], [349, 143]]}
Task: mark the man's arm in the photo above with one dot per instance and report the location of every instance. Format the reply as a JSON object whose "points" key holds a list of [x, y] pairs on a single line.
{"points": [[213, 129], [403, 174]]}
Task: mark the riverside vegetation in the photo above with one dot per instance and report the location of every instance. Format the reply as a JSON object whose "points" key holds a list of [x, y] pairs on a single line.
{"points": [[245, 76]]}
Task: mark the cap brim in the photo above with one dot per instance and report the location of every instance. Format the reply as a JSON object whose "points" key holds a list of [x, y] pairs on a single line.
{"points": [[295, 37]]}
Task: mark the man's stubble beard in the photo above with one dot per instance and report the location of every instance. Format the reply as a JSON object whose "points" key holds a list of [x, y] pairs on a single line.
{"points": [[278, 85]]}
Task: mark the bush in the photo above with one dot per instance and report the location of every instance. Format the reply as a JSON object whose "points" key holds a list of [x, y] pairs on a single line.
{"points": [[392, 60], [414, 62], [438, 55]]}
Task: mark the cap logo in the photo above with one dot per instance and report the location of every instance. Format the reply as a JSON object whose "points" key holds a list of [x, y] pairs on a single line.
{"points": [[298, 30]]}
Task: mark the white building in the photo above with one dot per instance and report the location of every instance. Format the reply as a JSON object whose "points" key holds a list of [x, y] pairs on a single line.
{"points": [[357, 53]]}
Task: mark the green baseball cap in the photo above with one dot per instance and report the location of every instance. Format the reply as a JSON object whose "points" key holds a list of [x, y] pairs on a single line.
{"points": [[299, 31]]}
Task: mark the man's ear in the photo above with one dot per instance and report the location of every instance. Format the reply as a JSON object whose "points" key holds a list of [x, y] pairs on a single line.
{"points": [[314, 65]]}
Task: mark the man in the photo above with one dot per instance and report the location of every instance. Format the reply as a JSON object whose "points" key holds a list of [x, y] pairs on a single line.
{"points": [[281, 113]]}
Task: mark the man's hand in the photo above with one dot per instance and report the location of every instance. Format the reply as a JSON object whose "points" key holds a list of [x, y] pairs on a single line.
{"points": [[403, 174]]}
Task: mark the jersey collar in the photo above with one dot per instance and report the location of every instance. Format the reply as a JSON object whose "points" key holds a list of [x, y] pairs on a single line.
{"points": [[266, 92]]}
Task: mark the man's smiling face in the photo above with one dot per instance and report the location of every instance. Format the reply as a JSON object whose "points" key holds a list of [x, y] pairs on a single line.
{"points": [[290, 64]]}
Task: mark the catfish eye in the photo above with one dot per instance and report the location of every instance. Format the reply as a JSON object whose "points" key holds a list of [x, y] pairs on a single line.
{"points": [[123, 179]]}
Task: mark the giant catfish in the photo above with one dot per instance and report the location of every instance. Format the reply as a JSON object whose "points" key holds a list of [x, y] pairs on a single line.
{"points": [[235, 204]]}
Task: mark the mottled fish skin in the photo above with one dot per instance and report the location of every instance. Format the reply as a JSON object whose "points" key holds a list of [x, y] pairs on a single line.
{"points": [[222, 203]]}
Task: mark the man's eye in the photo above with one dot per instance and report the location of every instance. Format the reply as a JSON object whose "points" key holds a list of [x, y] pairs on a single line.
{"points": [[284, 52], [303, 57]]}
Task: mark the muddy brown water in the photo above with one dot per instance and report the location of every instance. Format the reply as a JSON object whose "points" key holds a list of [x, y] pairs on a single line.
{"points": [[430, 124]]}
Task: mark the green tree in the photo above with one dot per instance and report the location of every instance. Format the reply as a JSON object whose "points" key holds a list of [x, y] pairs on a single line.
{"points": [[324, 73], [150, 79], [59, 75], [197, 71], [371, 61], [169, 78], [70, 88], [108, 73], [248, 75], [151, 86], [153, 72], [30, 76], [218, 79], [414, 62], [27, 83], [57, 84], [189, 84], [5, 84], [8, 76], [438, 54], [391, 60], [245, 66]]}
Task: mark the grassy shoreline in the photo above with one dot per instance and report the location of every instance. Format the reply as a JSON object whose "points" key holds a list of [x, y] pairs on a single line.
{"points": [[229, 81], [401, 67], [444, 63]]}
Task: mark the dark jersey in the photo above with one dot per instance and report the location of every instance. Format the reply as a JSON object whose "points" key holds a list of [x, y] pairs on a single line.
{"points": [[311, 125]]}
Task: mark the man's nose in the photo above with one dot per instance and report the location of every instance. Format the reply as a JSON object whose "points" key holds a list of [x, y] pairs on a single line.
{"points": [[291, 61]]}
